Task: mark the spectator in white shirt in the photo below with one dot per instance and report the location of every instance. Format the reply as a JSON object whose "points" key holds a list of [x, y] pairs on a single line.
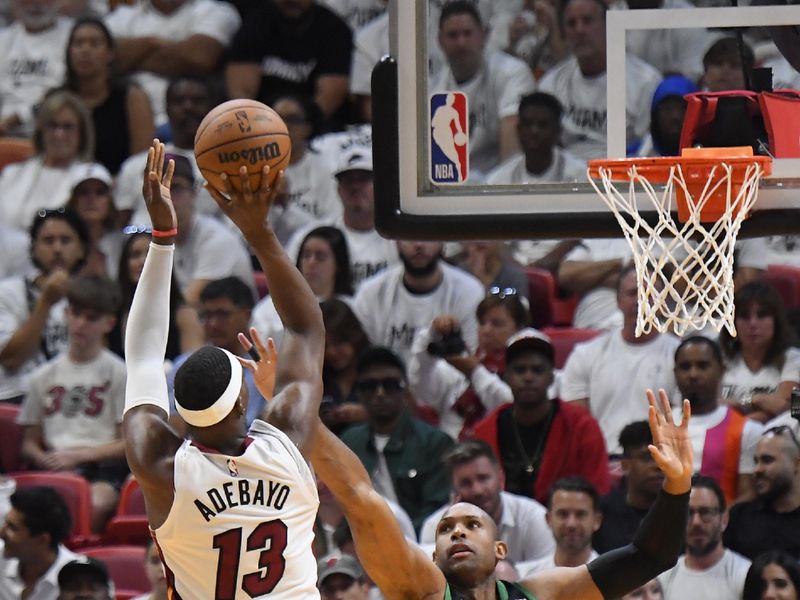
{"points": [[160, 39], [33, 534], [573, 515], [32, 62], [477, 478], [708, 570], [493, 81]]}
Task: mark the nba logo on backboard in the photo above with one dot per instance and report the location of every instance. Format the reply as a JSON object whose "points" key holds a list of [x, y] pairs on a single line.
{"points": [[449, 138]]}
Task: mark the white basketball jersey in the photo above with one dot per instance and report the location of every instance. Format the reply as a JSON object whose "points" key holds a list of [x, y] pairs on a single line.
{"points": [[241, 526]]}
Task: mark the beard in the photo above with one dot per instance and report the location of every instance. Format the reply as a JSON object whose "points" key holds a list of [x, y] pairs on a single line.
{"points": [[429, 268], [701, 550], [777, 488]]}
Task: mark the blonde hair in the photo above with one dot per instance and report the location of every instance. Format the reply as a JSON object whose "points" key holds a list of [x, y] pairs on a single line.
{"points": [[52, 104]]}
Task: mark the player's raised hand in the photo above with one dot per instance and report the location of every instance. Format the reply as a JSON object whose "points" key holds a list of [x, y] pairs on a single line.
{"points": [[671, 447], [156, 189], [264, 364], [248, 208]]}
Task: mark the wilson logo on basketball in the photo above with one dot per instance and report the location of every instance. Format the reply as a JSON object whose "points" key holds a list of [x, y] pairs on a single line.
{"points": [[252, 155]]}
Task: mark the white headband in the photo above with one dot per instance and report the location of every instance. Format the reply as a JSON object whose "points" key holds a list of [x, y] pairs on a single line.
{"points": [[222, 406]]}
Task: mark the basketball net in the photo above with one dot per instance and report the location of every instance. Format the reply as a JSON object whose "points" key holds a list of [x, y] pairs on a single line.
{"points": [[684, 267]]}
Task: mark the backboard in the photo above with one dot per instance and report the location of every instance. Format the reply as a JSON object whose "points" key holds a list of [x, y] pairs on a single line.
{"points": [[410, 205]]}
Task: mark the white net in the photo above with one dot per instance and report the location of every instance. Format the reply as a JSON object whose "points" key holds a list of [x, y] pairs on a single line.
{"points": [[684, 270]]}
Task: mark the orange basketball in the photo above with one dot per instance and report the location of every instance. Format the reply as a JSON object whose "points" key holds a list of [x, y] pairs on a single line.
{"points": [[241, 132]]}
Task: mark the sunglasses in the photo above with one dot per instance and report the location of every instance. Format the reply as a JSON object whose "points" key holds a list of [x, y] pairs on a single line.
{"points": [[134, 229], [502, 292], [49, 212], [780, 429], [390, 385]]}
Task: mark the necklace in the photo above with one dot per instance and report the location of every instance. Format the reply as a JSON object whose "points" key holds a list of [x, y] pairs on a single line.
{"points": [[533, 462]]}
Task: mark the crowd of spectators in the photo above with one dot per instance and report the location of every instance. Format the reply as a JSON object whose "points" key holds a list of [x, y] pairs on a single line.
{"points": [[432, 374]]}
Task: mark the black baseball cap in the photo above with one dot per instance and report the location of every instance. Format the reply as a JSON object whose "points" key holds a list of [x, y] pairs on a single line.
{"points": [[84, 565]]}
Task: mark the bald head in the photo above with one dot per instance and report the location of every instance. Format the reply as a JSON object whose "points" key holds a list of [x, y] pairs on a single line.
{"points": [[460, 510]]}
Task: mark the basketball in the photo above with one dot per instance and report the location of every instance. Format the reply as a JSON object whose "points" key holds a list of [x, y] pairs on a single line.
{"points": [[460, 138], [241, 132]]}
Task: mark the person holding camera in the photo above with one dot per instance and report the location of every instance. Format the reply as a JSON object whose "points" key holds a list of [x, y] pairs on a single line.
{"points": [[458, 384], [402, 454]]}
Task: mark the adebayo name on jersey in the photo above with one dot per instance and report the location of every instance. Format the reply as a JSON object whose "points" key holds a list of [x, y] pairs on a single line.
{"points": [[241, 492]]}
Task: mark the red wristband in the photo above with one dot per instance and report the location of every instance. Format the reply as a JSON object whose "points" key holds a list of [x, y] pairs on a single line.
{"points": [[168, 233]]}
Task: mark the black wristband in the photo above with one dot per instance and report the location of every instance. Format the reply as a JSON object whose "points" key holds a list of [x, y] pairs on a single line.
{"points": [[655, 548]]}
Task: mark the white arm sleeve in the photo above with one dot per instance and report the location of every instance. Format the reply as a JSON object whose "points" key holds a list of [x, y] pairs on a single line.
{"points": [[147, 331]]}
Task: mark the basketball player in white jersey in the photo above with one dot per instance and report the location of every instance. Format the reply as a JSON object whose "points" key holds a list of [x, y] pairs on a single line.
{"points": [[231, 510]]}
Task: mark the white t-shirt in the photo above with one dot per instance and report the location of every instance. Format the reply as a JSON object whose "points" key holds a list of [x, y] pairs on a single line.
{"points": [[258, 507], [332, 146], [597, 308], [217, 20], [15, 257], [370, 43], [312, 187], [615, 376], [369, 252], [30, 186], [391, 315], [565, 167], [45, 588], [438, 384], [267, 321], [493, 93], [759, 253], [528, 568], [31, 64], [700, 424], [522, 526], [211, 252], [723, 581], [672, 50], [584, 98], [356, 13], [739, 380], [76, 404], [128, 186], [17, 297]]}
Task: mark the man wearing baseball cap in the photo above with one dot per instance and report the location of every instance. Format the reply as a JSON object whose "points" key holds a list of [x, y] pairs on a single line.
{"points": [[369, 252], [342, 578], [540, 440], [84, 578]]}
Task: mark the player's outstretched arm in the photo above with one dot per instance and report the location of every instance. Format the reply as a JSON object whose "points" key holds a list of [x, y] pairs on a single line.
{"points": [[150, 443], [398, 567], [659, 538], [299, 377]]}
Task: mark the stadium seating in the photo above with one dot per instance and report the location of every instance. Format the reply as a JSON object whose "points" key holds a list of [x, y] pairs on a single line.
{"points": [[14, 150], [786, 280], [129, 525], [10, 438], [77, 494], [564, 340], [125, 566], [548, 306]]}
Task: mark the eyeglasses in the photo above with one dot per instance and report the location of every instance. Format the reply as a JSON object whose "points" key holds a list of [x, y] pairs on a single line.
{"points": [[390, 385], [706, 513], [134, 229], [65, 127], [779, 429], [502, 292]]}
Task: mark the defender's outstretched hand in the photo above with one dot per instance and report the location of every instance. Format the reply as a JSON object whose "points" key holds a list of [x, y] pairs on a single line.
{"points": [[671, 447], [156, 189], [265, 367], [247, 209]]}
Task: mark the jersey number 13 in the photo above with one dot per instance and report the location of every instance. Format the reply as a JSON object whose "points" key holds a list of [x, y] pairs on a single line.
{"points": [[271, 562]]}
